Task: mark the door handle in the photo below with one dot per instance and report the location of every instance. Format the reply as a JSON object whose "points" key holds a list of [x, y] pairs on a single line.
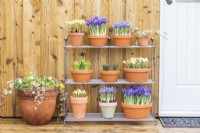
{"points": [[169, 2]]}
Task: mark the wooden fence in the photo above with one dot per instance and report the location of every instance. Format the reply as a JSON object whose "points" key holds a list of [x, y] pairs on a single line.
{"points": [[32, 39]]}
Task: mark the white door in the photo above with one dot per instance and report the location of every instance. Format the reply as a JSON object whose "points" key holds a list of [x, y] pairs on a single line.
{"points": [[179, 87]]}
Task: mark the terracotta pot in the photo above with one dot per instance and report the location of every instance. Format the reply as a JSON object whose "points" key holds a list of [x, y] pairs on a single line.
{"points": [[79, 106], [122, 40], [81, 76], [143, 41], [137, 75], [108, 109], [109, 76], [98, 40], [132, 111], [33, 113], [76, 38]]}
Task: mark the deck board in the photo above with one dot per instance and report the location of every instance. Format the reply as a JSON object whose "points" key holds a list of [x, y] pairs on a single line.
{"points": [[10, 125]]}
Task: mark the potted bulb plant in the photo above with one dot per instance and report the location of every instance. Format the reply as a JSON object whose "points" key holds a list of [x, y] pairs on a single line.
{"points": [[108, 73], [81, 71], [98, 32], [136, 69], [37, 97], [79, 101], [122, 33], [107, 102], [76, 31], [136, 102], [143, 37]]}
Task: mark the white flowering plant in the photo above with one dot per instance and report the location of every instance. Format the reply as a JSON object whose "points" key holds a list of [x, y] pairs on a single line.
{"points": [[79, 93], [143, 33], [38, 85], [76, 26], [136, 63]]}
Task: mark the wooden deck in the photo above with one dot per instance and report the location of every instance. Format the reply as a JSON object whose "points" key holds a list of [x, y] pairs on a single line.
{"points": [[19, 126]]}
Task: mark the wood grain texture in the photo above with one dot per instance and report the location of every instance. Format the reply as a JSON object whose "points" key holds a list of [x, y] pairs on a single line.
{"points": [[19, 126], [32, 38]]}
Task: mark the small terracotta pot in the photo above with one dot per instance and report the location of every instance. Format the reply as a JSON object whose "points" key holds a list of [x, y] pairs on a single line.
{"points": [[143, 41], [35, 114], [132, 111], [108, 109], [122, 40], [109, 76], [79, 106], [137, 75], [98, 40], [81, 76], [76, 38]]}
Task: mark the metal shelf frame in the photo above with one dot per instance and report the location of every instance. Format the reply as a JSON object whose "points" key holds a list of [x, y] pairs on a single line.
{"points": [[118, 116]]}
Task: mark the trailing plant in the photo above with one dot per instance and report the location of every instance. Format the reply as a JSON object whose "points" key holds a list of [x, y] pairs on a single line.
{"points": [[137, 95], [146, 33], [107, 67], [136, 63], [79, 93], [107, 94], [82, 65], [97, 26], [76, 26], [123, 28], [37, 84]]}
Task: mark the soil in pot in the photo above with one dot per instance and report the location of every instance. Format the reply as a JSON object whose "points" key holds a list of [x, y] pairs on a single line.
{"points": [[109, 76], [98, 40], [137, 75], [122, 40], [132, 111], [79, 106], [33, 113], [76, 38], [143, 41], [108, 109], [81, 76]]}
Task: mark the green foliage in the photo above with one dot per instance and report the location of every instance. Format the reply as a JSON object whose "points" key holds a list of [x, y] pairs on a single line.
{"points": [[107, 67], [82, 65]]}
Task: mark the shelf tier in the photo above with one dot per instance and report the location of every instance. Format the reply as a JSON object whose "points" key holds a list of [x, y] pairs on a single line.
{"points": [[98, 117], [87, 46], [99, 81]]}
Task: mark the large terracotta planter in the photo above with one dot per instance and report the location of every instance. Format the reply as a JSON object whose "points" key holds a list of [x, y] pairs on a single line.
{"points": [[33, 113], [143, 41], [137, 75], [132, 111], [79, 106], [98, 40], [108, 109], [81, 76], [76, 38], [109, 76], [122, 40]]}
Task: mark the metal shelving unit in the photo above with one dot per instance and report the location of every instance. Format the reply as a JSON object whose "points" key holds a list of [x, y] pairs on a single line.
{"points": [[118, 116]]}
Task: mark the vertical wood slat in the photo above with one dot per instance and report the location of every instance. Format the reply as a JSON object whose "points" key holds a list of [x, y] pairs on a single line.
{"points": [[32, 33]]}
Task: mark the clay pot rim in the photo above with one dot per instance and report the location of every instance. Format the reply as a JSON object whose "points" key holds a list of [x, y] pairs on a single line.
{"points": [[79, 100], [137, 70], [135, 105], [82, 71], [90, 36], [143, 37], [124, 37], [72, 33], [30, 89], [109, 72], [102, 104]]}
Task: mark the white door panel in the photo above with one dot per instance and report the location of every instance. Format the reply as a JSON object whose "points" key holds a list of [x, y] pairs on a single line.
{"points": [[179, 88]]}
